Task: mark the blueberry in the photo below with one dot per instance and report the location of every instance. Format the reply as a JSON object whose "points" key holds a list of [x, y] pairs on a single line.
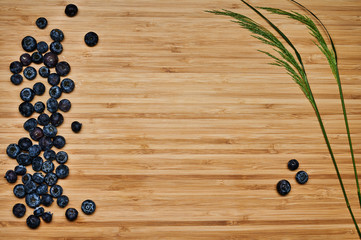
{"points": [[46, 143], [56, 191], [26, 178], [55, 92], [52, 105], [16, 79], [32, 200], [30, 124], [57, 35], [19, 191], [24, 143], [51, 179], [33, 222], [283, 187], [26, 109], [38, 178], [49, 155], [48, 166], [19, 210], [71, 10], [50, 59], [91, 39], [71, 214], [53, 79], [293, 164], [44, 72], [46, 200], [67, 85], [56, 48], [301, 177], [34, 150], [11, 176], [61, 157], [36, 134], [37, 163], [29, 43], [76, 126], [39, 211], [56, 119], [25, 59], [88, 207], [62, 171], [39, 107], [37, 58], [39, 88], [62, 68], [43, 119], [16, 67], [23, 159], [30, 73], [50, 131], [13, 150], [27, 94], [41, 22], [42, 189], [59, 142], [64, 105], [42, 47], [20, 170], [47, 217], [30, 187], [62, 201]]}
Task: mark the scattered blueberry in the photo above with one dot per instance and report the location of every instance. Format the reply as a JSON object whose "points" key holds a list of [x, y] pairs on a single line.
{"points": [[30, 73], [13, 150], [46, 143], [19, 191], [62, 171], [30, 187], [39, 107], [42, 189], [283, 187], [43, 119], [26, 178], [76, 126], [41, 22], [51, 179], [56, 48], [59, 142], [56, 119], [27, 94], [50, 59], [26, 109], [25, 59], [37, 58], [19, 210], [67, 85], [71, 10], [33, 222], [293, 164], [55, 92], [23, 159], [62, 201], [71, 214], [24, 143], [29, 43], [49, 155], [64, 105], [46, 200], [48, 166], [39, 88], [44, 72], [42, 47], [62, 68], [11, 176], [52, 105], [38, 178], [50, 131], [37, 163], [32, 200], [47, 217], [36, 134], [57, 35], [88, 207], [16, 67], [91, 39], [16, 79], [34, 150], [56, 191], [20, 170], [53, 79], [30, 124], [61, 157], [39, 211], [301, 177]]}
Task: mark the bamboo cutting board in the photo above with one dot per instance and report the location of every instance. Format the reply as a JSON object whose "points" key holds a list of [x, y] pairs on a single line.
{"points": [[186, 129]]}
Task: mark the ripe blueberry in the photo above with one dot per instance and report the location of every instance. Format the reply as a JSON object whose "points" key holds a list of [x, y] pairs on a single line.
{"points": [[57, 35], [39, 88], [26, 178], [25, 59], [91, 39], [30, 187], [32, 200], [56, 48], [39, 107], [53, 79], [56, 119], [50, 131], [45, 143], [29, 43], [26, 109], [36, 134], [71, 10], [88, 207], [47, 217], [76, 126], [27, 94], [71, 214], [41, 22], [67, 85], [30, 124], [19, 191], [23, 159], [19, 210], [38, 178], [34, 150], [39, 211], [37, 163], [44, 72], [42, 47], [13, 150], [24, 143], [62, 68], [16, 67], [33, 222], [42, 189], [61, 157], [62, 171], [50, 59], [46, 200], [49, 155], [64, 105], [52, 105], [59, 142], [56, 191], [51, 179], [43, 119], [20, 170], [283, 187], [11, 176], [16, 79], [55, 92], [37, 58], [301, 177], [30, 73], [48, 166], [62, 201]]}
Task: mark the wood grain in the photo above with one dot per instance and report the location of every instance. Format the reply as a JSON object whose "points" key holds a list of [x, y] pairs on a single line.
{"points": [[186, 129]]}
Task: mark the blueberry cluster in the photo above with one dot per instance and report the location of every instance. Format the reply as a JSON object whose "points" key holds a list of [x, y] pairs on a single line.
{"points": [[284, 186], [41, 187]]}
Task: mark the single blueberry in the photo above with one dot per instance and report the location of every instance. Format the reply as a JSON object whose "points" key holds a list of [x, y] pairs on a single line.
{"points": [[283, 187], [50, 131], [61, 157], [20, 170], [16, 79], [47, 217], [91, 39], [301, 177], [13, 150], [62, 201], [88, 207], [19, 191], [30, 73], [26, 109], [64, 105], [38, 178], [62, 171], [57, 35], [46, 200], [37, 163], [43, 119], [293, 164], [41, 22], [56, 191], [52, 105], [55, 92], [42, 189], [16, 67], [11, 176], [19, 210], [50, 59], [53, 79], [23, 159], [51, 179], [62, 68], [30, 124], [48, 166], [59, 142], [37, 57], [32, 200], [46, 143], [29, 43], [76, 126], [26, 178], [25, 59], [44, 72], [56, 119], [36, 134], [67, 85], [49, 155], [39, 88], [56, 48], [39, 107], [33, 222], [27, 94], [24, 143], [34, 150], [42, 47], [30, 187], [39, 211], [71, 214], [71, 10]]}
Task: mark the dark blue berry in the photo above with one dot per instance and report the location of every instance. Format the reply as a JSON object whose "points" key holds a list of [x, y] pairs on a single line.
{"points": [[62, 201], [48, 166], [49, 155], [30, 187], [67, 85], [38, 178], [41, 22], [39, 211], [37, 57], [16, 67], [34, 150], [39, 107], [76, 126], [24, 143], [20, 170], [64, 105], [25, 59], [43, 119], [59, 142], [33, 222], [62, 68], [19, 191], [52, 105], [46, 143], [51, 179], [26, 109], [62, 171], [301, 177], [88, 207], [91, 39], [16, 79], [13, 150], [293, 164], [19, 210], [61, 157], [36, 134], [39, 88], [29, 43], [30, 124], [30, 73], [55, 92], [71, 10], [50, 131], [42, 47], [11, 176], [26, 178], [27, 94], [283, 187], [56, 191], [56, 119], [71, 214], [47, 217], [46, 200], [50, 58], [32, 200], [53, 79], [23, 159], [37, 163], [44, 72], [56, 48], [57, 35], [42, 189]]}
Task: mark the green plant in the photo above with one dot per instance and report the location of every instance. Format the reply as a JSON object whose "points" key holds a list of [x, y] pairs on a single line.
{"points": [[293, 64]]}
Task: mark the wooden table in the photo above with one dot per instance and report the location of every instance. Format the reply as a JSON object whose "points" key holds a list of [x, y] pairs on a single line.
{"points": [[186, 129]]}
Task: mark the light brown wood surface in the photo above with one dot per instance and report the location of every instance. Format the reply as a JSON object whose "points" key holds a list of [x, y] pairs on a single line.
{"points": [[186, 129]]}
